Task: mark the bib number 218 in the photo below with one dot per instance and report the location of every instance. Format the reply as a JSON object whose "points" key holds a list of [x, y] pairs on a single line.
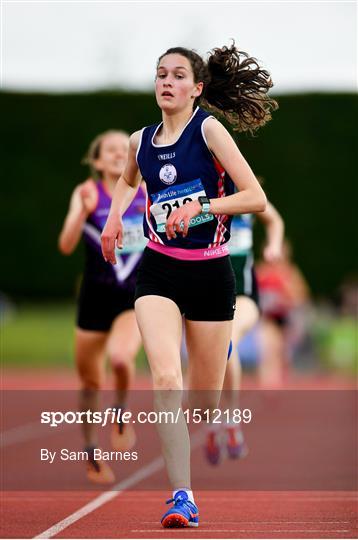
{"points": [[169, 207]]}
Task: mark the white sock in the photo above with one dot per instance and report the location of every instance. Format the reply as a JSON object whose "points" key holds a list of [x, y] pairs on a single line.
{"points": [[187, 491]]}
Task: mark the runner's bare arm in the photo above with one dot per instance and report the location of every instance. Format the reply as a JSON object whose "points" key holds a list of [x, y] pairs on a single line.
{"points": [[124, 193], [251, 197], [275, 228], [83, 202]]}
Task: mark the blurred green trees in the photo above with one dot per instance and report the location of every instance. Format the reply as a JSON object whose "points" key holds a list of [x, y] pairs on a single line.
{"points": [[306, 155]]}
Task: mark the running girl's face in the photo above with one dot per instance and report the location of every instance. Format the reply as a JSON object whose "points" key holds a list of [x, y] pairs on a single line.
{"points": [[175, 88], [112, 155]]}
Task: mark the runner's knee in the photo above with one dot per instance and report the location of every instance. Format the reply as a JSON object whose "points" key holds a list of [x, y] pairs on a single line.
{"points": [[122, 359], [90, 380], [168, 380]]}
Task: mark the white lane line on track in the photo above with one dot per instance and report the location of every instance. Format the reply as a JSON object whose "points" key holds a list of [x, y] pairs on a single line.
{"points": [[203, 499], [105, 497], [26, 432], [20, 434], [266, 522], [146, 471], [208, 531]]}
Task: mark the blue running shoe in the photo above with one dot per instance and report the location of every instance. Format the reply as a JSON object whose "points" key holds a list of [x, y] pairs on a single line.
{"points": [[183, 513]]}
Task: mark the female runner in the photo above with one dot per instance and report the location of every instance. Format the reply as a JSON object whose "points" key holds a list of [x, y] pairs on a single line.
{"points": [[191, 165], [106, 322]]}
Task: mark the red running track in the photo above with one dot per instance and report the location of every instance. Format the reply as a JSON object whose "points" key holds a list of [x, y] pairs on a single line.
{"points": [[136, 513]]}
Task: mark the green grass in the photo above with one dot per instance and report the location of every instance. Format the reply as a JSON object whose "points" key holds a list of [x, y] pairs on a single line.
{"points": [[41, 335], [336, 343]]}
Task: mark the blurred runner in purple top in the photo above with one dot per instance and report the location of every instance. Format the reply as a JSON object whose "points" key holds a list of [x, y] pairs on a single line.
{"points": [[106, 323]]}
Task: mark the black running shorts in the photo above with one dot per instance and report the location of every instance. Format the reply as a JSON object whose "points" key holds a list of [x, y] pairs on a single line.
{"points": [[202, 290], [100, 303], [246, 282]]}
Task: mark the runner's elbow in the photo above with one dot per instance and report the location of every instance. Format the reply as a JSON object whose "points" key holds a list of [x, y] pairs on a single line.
{"points": [[260, 202]]}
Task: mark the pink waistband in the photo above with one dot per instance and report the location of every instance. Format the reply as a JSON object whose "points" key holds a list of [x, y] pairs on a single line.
{"points": [[190, 254]]}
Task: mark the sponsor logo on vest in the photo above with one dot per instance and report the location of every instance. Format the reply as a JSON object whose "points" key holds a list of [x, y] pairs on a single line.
{"points": [[168, 174], [221, 250], [164, 157]]}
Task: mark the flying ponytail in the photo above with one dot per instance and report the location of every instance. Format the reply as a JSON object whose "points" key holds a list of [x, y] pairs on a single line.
{"points": [[238, 89], [235, 86]]}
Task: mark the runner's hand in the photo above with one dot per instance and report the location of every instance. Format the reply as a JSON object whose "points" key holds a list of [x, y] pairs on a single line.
{"points": [[178, 221], [112, 234], [88, 195], [272, 252]]}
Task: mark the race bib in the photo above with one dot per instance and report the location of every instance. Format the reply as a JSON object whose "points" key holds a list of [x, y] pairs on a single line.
{"points": [[172, 197], [241, 238], [134, 240]]}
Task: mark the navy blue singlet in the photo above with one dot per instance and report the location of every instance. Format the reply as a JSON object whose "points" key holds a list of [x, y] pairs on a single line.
{"points": [[178, 173]]}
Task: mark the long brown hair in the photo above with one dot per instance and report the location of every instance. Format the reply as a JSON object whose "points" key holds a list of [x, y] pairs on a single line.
{"points": [[235, 86]]}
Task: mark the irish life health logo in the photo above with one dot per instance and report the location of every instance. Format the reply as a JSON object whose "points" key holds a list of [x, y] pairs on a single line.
{"points": [[168, 174]]}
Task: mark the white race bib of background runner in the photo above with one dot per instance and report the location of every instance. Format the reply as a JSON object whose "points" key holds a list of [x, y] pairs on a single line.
{"points": [[241, 237], [134, 240], [172, 197], [240, 241]]}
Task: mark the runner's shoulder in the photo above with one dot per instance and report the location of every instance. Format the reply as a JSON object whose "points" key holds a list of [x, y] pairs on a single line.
{"points": [[134, 140]]}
